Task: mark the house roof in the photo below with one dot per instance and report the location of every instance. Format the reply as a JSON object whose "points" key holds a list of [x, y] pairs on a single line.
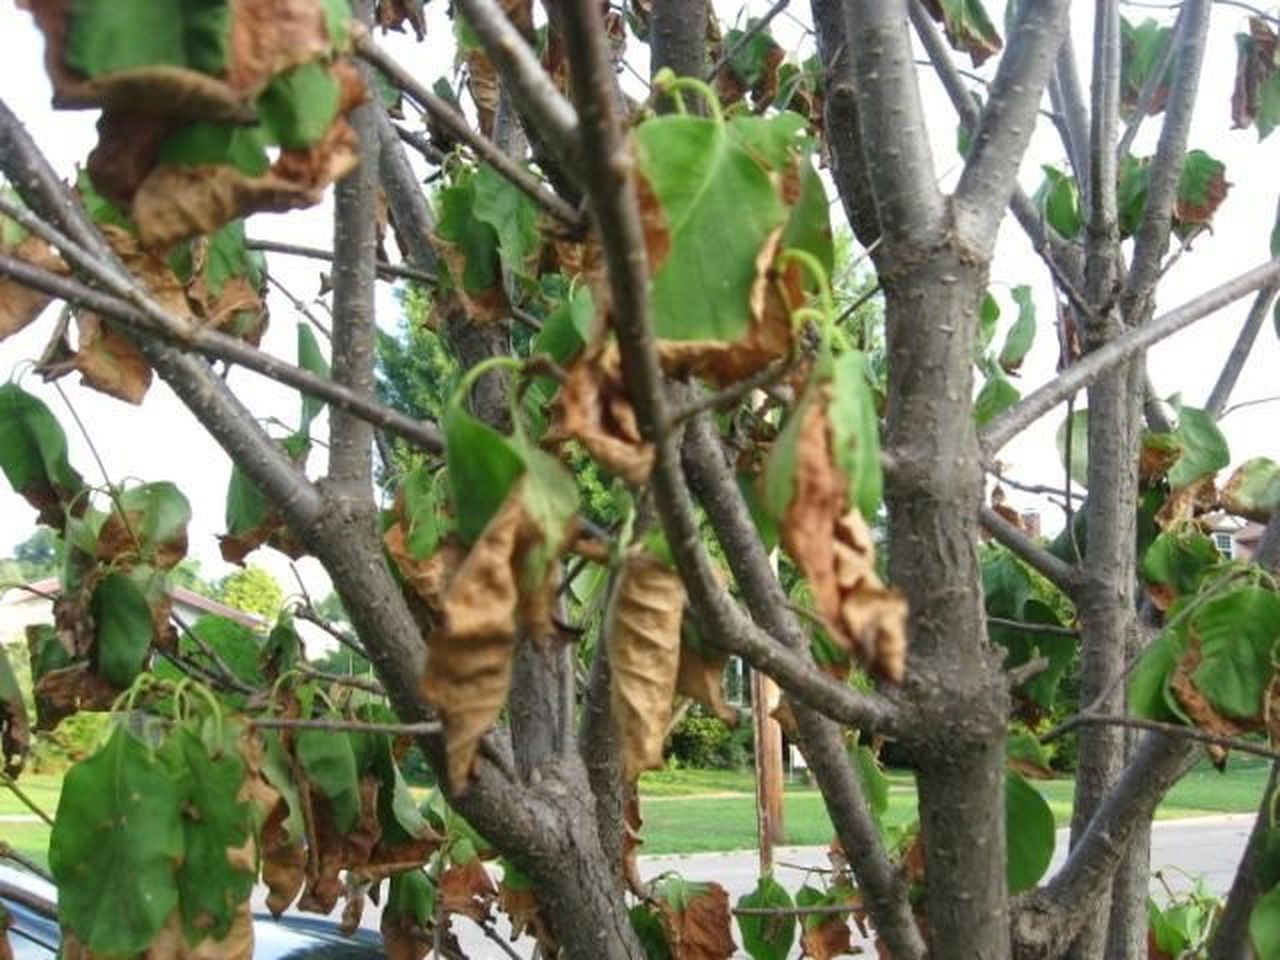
{"points": [[48, 588]]}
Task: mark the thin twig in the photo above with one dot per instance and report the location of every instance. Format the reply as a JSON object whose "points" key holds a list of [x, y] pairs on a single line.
{"points": [[27, 802], [814, 910], [457, 126], [397, 271], [344, 679], [1249, 403], [747, 36], [1173, 729], [497, 938], [336, 725], [228, 676], [733, 393], [1052, 629]]}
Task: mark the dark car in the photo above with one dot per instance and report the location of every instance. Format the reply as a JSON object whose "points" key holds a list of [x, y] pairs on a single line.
{"points": [[34, 933]]}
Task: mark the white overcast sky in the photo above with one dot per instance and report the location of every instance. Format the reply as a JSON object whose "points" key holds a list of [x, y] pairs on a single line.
{"points": [[160, 441]]}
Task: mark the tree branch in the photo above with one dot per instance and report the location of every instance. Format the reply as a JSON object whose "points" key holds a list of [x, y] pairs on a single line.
{"points": [[457, 126], [219, 346], [394, 271], [528, 83], [1062, 575], [1152, 239], [1005, 127], [820, 740], [1147, 96], [1074, 110], [1031, 408], [355, 251], [1172, 730], [1216, 404], [895, 139]]}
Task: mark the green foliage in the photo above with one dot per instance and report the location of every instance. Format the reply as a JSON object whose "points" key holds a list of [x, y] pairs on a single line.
{"points": [[1204, 449], [109, 36], [33, 453], [1030, 833], [123, 620], [253, 590], [704, 741], [767, 937]]}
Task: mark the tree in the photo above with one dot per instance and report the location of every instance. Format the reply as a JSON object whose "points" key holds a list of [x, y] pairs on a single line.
{"points": [[619, 284], [252, 590]]}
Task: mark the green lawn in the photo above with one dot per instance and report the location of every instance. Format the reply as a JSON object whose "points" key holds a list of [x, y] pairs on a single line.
{"points": [[692, 811]]}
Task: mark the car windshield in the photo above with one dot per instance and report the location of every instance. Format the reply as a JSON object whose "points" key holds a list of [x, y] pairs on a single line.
{"points": [[32, 904]]}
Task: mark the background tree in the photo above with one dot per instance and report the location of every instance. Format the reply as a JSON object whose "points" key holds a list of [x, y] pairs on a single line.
{"points": [[649, 358]]}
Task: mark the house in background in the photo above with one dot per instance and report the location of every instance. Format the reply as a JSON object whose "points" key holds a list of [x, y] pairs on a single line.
{"points": [[1235, 539], [21, 607]]}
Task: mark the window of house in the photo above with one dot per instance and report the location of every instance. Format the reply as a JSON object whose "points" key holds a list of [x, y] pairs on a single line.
{"points": [[1225, 543]]}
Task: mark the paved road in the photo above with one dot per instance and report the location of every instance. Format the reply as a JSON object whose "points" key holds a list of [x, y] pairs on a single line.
{"points": [[1181, 850]]}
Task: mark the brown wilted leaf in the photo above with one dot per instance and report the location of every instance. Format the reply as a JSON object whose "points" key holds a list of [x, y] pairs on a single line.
{"points": [[394, 14], [171, 942], [284, 861], [1198, 708], [175, 202], [1159, 453], [402, 939], [785, 717], [699, 930], [521, 906], [467, 889], [482, 84], [428, 576], [108, 361], [593, 408], [642, 629], [833, 548], [1255, 66], [128, 147], [19, 305], [469, 662], [67, 690], [1188, 503], [335, 851], [701, 678], [828, 938], [15, 729], [482, 306]]}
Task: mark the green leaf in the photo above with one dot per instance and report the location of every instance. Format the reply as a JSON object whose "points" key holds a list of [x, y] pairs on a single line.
{"points": [[1142, 48], [751, 60], [1253, 490], [988, 317], [718, 207], [116, 842], [310, 358], [483, 466], [412, 896], [1201, 188], [568, 326], [330, 765], [550, 498], [1147, 685], [1264, 925], [808, 896], [283, 648], [1025, 753], [1238, 634], [968, 27], [299, 106], [1031, 833], [1058, 200], [996, 396], [1018, 341], [158, 516], [423, 501], [1079, 424], [123, 628], [33, 453], [1180, 557], [773, 142], [237, 646], [336, 15], [809, 226], [1268, 117], [875, 785], [1131, 193], [207, 142], [100, 209], [1204, 448], [767, 937], [513, 216], [648, 930], [228, 256], [214, 821], [278, 769], [475, 240], [107, 36], [855, 432]]}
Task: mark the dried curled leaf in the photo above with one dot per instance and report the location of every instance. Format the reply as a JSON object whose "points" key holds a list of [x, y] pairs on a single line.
{"points": [[15, 732], [1253, 99], [642, 629], [62, 692], [336, 851], [833, 548], [701, 675], [1197, 706], [284, 861], [394, 14], [19, 304], [467, 889], [469, 663], [593, 408], [695, 919]]}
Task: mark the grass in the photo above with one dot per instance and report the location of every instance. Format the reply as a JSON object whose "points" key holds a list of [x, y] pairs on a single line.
{"points": [[698, 811]]}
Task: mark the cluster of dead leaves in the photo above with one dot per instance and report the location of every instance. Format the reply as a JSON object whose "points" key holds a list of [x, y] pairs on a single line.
{"points": [[831, 544], [142, 106], [475, 604], [1256, 64]]}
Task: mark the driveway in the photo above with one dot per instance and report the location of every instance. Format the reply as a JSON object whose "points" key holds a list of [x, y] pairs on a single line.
{"points": [[1181, 850]]}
